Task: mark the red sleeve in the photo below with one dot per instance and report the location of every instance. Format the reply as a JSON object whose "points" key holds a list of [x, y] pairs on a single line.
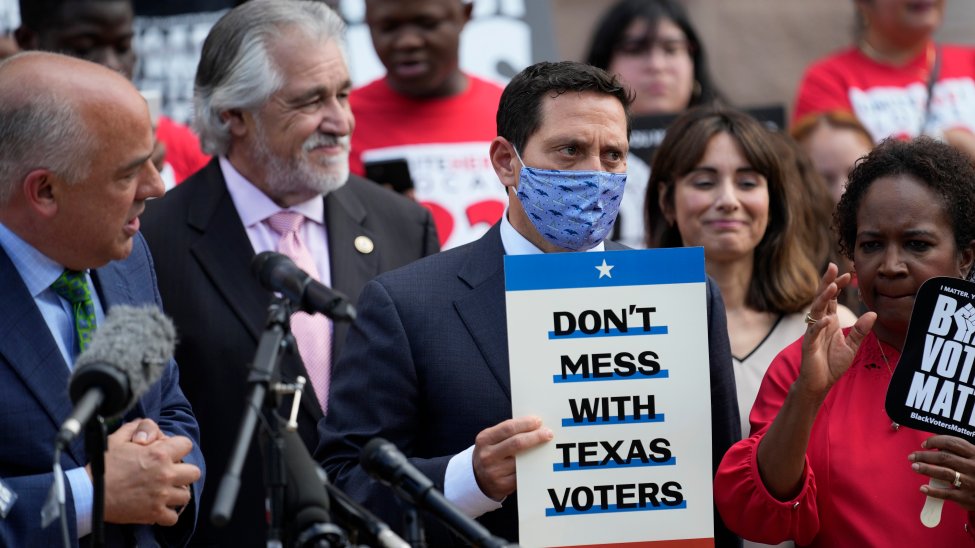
{"points": [[744, 503], [182, 148], [822, 89]]}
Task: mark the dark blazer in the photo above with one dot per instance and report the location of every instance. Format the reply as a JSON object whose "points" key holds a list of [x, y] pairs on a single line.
{"points": [[34, 403], [426, 367], [203, 260]]}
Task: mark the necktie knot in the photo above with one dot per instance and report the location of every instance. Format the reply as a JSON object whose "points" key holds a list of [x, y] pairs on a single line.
{"points": [[72, 286], [286, 222]]}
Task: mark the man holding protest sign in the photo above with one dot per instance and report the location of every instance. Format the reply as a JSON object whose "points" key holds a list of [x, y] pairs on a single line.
{"points": [[427, 361]]}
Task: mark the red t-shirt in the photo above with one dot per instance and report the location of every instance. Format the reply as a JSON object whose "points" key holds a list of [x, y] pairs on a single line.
{"points": [[445, 144], [183, 152], [385, 118], [890, 101]]}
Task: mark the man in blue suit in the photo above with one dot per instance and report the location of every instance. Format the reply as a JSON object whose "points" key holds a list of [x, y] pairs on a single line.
{"points": [[426, 363], [75, 172]]}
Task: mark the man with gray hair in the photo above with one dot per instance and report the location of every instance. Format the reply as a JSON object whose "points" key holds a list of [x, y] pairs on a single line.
{"points": [[75, 173], [271, 99]]}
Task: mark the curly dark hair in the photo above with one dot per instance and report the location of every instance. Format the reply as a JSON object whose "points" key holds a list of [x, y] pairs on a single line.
{"points": [[948, 172]]}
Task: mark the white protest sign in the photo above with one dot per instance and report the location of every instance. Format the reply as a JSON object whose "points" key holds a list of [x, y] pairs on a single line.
{"points": [[610, 350], [456, 182]]}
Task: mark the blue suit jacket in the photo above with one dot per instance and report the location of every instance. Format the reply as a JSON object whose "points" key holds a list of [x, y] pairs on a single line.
{"points": [[34, 402], [426, 367]]}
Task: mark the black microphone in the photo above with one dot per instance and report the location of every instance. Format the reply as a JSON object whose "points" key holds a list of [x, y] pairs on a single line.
{"points": [[277, 272], [305, 498], [383, 461], [127, 354], [353, 516]]}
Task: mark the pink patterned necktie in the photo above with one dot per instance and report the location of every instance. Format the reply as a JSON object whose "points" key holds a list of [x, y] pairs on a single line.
{"points": [[312, 332]]}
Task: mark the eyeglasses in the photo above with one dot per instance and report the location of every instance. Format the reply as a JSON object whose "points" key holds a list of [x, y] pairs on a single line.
{"points": [[670, 47]]}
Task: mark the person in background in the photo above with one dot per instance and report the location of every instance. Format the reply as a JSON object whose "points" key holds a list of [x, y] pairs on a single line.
{"points": [[101, 31], [75, 174], [897, 81], [654, 50], [833, 141], [272, 107], [431, 338], [825, 150], [824, 465], [718, 182], [429, 116]]}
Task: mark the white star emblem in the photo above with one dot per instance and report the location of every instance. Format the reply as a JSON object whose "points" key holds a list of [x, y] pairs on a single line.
{"points": [[604, 269]]}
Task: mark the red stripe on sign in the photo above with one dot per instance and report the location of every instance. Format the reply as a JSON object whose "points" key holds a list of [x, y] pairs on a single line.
{"points": [[685, 543]]}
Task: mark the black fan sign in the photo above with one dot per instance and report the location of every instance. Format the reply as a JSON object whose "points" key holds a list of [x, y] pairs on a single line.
{"points": [[933, 387]]}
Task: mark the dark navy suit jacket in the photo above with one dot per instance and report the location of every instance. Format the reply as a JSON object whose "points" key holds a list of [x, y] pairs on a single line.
{"points": [[426, 367], [34, 402]]}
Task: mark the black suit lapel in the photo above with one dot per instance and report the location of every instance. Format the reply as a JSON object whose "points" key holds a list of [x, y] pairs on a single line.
{"points": [[483, 309], [225, 253], [351, 268]]}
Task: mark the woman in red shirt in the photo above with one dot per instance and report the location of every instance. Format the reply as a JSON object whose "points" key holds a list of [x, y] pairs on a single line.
{"points": [[824, 465]]}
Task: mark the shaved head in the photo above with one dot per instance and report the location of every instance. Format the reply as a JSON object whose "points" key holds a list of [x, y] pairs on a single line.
{"points": [[75, 165], [47, 102]]}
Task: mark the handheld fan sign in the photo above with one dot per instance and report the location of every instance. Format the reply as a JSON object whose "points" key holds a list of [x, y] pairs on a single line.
{"points": [[931, 387]]}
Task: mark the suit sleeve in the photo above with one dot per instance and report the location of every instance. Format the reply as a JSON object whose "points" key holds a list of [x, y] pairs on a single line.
{"points": [[174, 415], [374, 393], [725, 423], [22, 526]]}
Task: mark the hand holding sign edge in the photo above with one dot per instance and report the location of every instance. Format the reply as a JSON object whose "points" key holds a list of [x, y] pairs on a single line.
{"points": [[495, 449]]}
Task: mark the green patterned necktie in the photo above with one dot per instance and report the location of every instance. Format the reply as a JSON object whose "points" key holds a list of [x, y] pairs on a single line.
{"points": [[73, 287]]}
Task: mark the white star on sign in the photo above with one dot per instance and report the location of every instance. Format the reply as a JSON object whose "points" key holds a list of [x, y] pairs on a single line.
{"points": [[604, 269]]}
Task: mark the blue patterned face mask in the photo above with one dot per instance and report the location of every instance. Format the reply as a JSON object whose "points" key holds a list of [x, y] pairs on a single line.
{"points": [[574, 210]]}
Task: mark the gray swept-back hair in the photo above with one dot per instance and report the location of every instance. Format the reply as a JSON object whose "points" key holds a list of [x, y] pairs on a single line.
{"points": [[237, 72], [40, 130]]}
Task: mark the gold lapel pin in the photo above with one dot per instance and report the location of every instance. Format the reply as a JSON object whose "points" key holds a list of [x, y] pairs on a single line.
{"points": [[364, 245]]}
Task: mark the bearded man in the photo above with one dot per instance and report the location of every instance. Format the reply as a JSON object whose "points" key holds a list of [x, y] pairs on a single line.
{"points": [[271, 100]]}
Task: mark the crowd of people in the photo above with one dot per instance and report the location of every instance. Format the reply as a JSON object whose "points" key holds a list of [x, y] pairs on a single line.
{"points": [[816, 239]]}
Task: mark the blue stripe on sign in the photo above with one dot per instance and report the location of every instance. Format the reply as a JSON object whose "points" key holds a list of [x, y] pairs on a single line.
{"points": [[635, 463], [628, 419], [676, 265], [662, 374], [610, 508], [654, 330]]}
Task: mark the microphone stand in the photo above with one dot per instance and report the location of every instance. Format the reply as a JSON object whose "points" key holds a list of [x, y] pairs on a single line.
{"points": [[269, 350], [413, 527], [96, 443], [265, 393]]}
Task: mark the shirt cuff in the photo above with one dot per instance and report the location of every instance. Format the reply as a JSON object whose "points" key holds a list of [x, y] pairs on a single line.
{"points": [[460, 486], [83, 494]]}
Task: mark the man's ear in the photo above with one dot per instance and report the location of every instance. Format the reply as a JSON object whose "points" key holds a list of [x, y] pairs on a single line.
{"points": [[467, 11], [505, 163], [236, 121], [39, 190]]}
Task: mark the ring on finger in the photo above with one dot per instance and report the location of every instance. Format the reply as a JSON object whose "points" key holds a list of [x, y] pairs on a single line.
{"points": [[810, 320], [957, 482]]}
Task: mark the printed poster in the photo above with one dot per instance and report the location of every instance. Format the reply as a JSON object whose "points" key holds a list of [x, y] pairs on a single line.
{"points": [[610, 350]]}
